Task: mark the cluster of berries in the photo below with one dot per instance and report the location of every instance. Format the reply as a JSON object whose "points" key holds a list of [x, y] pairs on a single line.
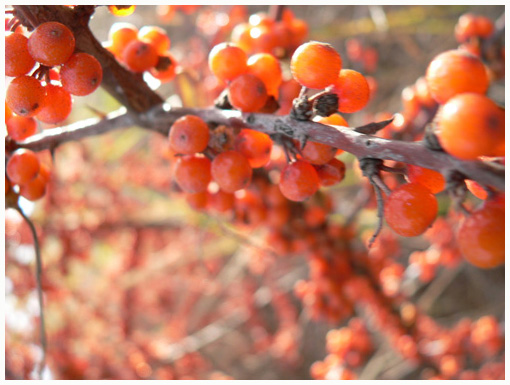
{"points": [[46, 95], [142, 50]]}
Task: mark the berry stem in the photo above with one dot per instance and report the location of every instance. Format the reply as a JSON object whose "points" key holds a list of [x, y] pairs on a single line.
{"points": [[38, 275]]}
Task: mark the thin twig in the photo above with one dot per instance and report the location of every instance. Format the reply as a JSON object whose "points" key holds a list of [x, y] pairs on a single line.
{"points": [[380, 212], [38, 275]]}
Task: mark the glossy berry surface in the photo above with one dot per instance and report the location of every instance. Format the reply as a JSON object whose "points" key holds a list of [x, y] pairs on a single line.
{"points": [[471, 125], [139, 56], [431, 179], [22, 166], [227, 61], [454, 72], [352, 90], [410, 209], [315, 65], [481, 237]]}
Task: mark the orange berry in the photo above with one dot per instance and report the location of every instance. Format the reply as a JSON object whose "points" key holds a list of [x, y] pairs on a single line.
{"points": [[81, 74], [318, 153], [188, 135], [315, 65], [247, 93], [298, 29], [155, 36], [120, 35], [22, 166], [352, 90], [164, 72], [56, 106], [331, 173], [267, 68], [484, 26], [51, 43], [471, 125], [227, 61], [34, 189], [192, 173], [18, 60], [299, 181], [465, 27], [334, 120], [481, 237], [139, 56], [255, 146], [121, 10], [25, 96], [231, 170], [19, 127], [197, 201], [221, 201], [422, 93], [431, 179], [410, 209], [454, 72], [241, 37]]}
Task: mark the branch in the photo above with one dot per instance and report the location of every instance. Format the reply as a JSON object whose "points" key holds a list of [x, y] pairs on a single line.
{"points": [[161, 118]]}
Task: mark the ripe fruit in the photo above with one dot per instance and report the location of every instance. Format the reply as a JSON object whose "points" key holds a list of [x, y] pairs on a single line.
{"points": [[156, 36], [471, 25], [197, 201], [192, 173], [299, 181], [331, 173], [188, 135], [22, 166], [410, 209], [19, 127], [352, 90], [231, 170], [227, 61], [255, 146], [139, 56], [56, 106], [475, 189], [120, 35], [315, 65], [334, 120], [454, 72], [431, 179], [471, 125], [318, 153], [18, 60], [81, 74], [121, 10], [481, 237], [51, 43], [267, 68], [25, 95], [34, 189], [164, 70], [247, 93]]}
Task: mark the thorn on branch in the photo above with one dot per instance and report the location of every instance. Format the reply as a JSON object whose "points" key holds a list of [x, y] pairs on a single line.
{"points": [[380, 213], [456, 187], [374, 127]]}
